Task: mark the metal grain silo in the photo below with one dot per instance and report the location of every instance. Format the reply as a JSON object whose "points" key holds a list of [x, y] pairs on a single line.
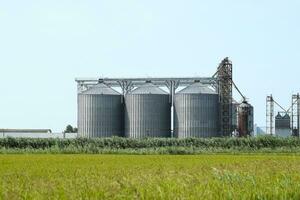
{"points": [[147, 112], [283, 125], [245, 119], [100, 112], [196, 112]]}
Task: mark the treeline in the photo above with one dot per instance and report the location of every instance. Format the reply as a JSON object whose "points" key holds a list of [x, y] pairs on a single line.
{"points": [[150, 145]]}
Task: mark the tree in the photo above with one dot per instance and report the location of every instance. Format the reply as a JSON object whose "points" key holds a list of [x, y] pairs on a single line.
{"points": [[69, 129]]}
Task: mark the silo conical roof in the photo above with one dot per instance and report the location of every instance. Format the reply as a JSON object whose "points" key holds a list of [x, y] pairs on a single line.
{"points": [[286, 116], [101, 88], [197, 88], [245, 104], [148, 88], [278, 116]]}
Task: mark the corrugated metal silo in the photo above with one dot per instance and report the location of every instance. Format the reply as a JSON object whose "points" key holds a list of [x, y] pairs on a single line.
{"points": [[283, 125], [196, 112], [245, 119], [100, 112], [147, 112]]}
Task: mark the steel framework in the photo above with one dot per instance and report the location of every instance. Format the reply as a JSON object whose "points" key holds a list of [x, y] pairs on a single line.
{"points": [[270, 115], [128, 84], [224, 77], [221, 81], [295, 111]]}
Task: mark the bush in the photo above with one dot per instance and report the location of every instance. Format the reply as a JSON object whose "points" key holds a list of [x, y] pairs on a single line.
{"points": [[152, 145]]}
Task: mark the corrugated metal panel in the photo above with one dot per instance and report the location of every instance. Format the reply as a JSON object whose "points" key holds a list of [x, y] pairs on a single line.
{"points": [[283, 125], [100, 113], [282, 121], [147, 113], [196, 113]]}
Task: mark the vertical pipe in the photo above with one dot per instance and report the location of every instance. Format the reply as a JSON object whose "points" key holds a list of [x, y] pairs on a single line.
{"points": [[298, 113], [269, 114], [272, 116], [267, 129], [292, 117], [172, 109]]}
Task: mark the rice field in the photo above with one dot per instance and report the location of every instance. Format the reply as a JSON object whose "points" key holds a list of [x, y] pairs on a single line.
{"points": [[49, 176]]}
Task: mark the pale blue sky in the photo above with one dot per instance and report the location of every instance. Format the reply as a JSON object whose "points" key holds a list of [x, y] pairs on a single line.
{"points": [[44, 45]]}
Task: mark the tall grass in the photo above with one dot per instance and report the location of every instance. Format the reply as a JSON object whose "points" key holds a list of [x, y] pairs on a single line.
{"points": [[149, 145]]}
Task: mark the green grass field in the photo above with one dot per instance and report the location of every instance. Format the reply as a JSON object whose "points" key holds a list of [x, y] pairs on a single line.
{"points": [[149, 177]]}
